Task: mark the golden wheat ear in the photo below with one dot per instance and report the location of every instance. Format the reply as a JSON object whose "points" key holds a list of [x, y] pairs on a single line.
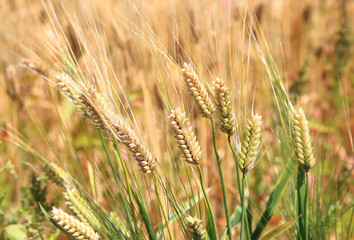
{"points": [[185, 136], [198, 91], [302, 141], [251, 144], [74, 227], [223, 106]]}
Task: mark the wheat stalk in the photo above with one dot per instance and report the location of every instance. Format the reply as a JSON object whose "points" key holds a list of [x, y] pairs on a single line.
{"points": [[74, 227], [185, 136], [251, 144], [302, 141], [223, 106], [198, 91]]}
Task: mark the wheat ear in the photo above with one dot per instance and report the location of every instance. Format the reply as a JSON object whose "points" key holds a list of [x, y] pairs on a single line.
{"points": [[223, 106], [302, 141], [74, 227], [104, 119], [195, 228], [198, 91], [79, 206], [251, 144], [57, 174], [185, 136]]}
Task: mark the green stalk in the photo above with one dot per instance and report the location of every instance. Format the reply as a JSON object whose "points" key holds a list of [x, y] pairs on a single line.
{"points": [[226, 204], [211, 214], [243, 207], [302, 189], [236, 163], [162, 207]]}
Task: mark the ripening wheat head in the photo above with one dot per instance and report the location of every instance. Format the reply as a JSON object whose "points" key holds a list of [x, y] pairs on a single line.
{"points": [[185, 137], [223, 106], [302, 141], [74, 227], [104, 119], [198, 91], [251, 144]]}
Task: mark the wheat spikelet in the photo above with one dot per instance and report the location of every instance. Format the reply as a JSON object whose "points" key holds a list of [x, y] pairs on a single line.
{"points": [[105, 120], [251, 144], [144, 158], [89, 99], [223, 106], [80, 207], [62, 83], [198, 91], [302, 140], [185, 136], [74, 227], [195, 228], [57, 174]]}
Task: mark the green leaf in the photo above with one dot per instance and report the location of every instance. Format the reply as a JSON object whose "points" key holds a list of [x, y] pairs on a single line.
{"points": [[15, 232], [146, 217], [274, 198], [234, 219], [279, 230]]}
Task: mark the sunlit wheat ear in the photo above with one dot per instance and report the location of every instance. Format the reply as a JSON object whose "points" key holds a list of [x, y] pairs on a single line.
{"points": [[185, 136], [74, 227], [302, 141], [251, 144], [195, 228], [63, 86], [198, 91], [88, 98], [80, 207], [105, 120], [143, 157], [223, 106], [57, 174]]}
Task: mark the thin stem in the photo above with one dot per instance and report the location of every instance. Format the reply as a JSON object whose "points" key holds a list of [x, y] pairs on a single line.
{"points": [[305, 207], [212, 218], [243, 207], [162, 207], [236, 163], [226, 204]]}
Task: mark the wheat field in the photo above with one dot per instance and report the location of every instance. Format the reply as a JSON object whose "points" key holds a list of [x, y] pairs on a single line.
{"points": [[212, 119]]}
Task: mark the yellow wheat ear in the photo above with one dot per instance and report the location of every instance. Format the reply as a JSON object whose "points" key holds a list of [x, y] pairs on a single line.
{"points": [[302, 141], [198, 91], [185, 136], [223, 106], [251, 144], [74, 227]]}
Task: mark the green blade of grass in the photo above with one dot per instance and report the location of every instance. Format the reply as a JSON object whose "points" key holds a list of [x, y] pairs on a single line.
{"points": [[274, 198], [279, 230], [146, 218]]}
